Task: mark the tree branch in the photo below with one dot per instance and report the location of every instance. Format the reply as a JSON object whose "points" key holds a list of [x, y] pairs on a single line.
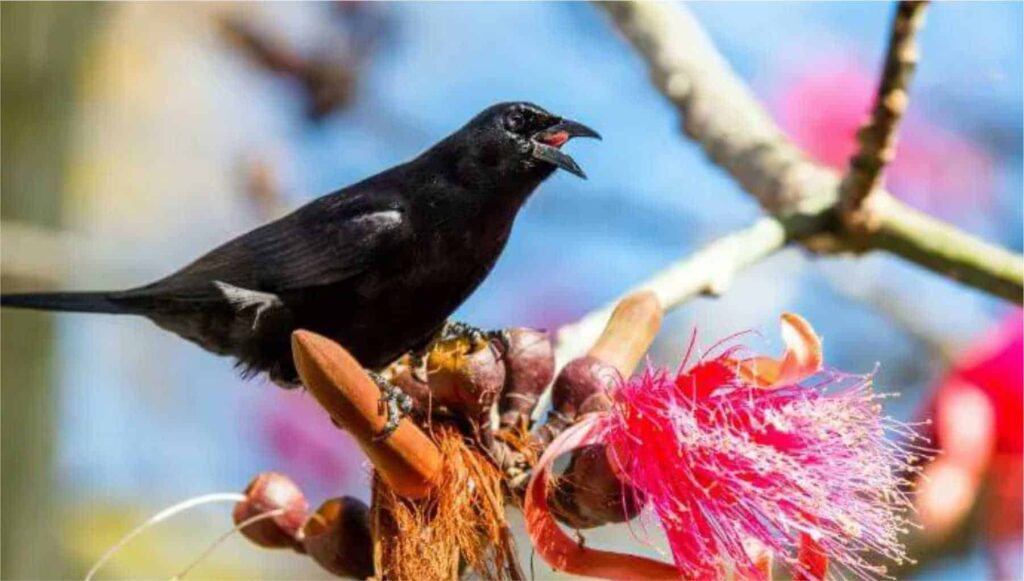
{"points": [[942, 248], [709, 271], [878, 138], [737, 133], [718, 110]]}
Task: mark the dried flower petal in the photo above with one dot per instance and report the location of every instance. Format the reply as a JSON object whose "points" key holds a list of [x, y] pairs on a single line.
{"points": [[551, 542], [802, 358]]}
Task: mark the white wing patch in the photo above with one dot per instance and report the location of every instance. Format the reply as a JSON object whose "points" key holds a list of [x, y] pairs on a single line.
{"points": [[242, 299], [380, 220]]}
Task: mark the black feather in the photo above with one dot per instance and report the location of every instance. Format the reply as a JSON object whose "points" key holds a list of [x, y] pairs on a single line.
{"points": [[81, 302], [378, 266]]}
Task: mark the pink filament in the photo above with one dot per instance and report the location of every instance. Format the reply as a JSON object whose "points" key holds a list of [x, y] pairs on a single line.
{"points": [[723, 461]]}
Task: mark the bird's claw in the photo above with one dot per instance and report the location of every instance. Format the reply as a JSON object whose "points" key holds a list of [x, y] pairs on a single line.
{"points": [[394, 403], [418, 364]]}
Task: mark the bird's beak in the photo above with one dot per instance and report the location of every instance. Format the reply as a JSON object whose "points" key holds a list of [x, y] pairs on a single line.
{"points": [[546, 144]]}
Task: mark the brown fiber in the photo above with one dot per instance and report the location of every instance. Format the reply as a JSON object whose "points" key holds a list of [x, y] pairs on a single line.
{"points": [[460, 523]]}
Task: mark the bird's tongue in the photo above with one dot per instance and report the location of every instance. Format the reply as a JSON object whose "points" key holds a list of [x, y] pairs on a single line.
{"points": [[564, 130], [556, 139], [546, 144]]}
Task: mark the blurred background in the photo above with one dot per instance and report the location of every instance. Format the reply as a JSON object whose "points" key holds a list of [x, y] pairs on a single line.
{"points": [[136, 136]]}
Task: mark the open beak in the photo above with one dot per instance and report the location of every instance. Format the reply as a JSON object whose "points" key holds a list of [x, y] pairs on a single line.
{"points": [[546, 144]]}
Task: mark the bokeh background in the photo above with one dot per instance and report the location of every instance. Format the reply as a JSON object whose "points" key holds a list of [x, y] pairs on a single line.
{"points": [[136, 136]]}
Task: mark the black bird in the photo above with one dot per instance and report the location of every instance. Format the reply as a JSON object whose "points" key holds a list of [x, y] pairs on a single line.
{"points": [[378, 266]]}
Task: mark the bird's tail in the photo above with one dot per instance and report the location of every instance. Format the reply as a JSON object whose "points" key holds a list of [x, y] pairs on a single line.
{"points": [[79, 302]]}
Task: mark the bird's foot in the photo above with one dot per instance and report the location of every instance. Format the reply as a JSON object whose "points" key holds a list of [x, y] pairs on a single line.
{"points": [[394, 402], [418, 364], [475, 335]]}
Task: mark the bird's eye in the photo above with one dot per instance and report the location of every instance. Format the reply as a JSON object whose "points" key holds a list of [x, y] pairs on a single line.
{"points": [[514, 121]]}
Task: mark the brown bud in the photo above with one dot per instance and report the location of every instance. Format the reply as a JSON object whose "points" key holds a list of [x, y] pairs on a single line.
{"points": [[407, 459], [466, 378], [581, 379], [337, 536], [529, 367], [590, 493], [267, 492]]}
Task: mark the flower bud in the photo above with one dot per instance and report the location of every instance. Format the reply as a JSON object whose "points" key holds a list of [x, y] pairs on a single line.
{"points": [[337, 536], [580, 380], [590, 493], [267, 492], [581, 385], [466, 378], [529, 367], [407, 459]]}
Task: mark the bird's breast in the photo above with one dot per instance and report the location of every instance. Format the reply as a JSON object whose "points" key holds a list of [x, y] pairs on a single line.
{"points": [[463, 257]]}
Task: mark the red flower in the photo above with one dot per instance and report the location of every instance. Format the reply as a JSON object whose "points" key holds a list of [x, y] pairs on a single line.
{"points": [[742, 457], [977, 410]]}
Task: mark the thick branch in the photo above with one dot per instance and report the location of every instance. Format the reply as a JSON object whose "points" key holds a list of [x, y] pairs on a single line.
{"points": [[738, 134], [878, 138], [718, 110]]}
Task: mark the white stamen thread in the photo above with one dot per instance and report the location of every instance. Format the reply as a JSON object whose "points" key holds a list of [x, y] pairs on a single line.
{"points": [[206, 552], [160, 517]]}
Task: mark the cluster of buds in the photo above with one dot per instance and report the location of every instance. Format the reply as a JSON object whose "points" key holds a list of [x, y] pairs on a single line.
{"points": [[739, 461], [465, 378], [465, 383]]}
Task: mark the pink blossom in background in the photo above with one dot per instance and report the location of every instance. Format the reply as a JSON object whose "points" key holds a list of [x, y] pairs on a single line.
{"points": [[994, 364], [977, 410], [308, 447], [823, 103]]}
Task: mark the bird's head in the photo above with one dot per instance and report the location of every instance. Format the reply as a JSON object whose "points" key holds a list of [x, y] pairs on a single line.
{"points": [[521, 140]]}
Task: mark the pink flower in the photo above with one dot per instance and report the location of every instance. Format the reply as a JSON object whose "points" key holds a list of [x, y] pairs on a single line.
{"points": [[977, 409], [306, 444], [746, 456], [825, 102]]}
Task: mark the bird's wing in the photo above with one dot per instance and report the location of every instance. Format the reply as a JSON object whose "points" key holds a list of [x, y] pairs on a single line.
{"points": [[325, 242]]}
